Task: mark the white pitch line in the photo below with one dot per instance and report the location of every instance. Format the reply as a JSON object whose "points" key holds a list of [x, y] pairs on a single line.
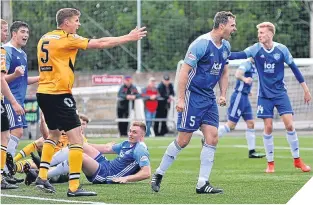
{"points": [[235, 146], [47, 199]]}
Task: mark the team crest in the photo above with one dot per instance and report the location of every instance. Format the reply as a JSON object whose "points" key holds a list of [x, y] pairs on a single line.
{"points": [[276, 56], [225, 55]]}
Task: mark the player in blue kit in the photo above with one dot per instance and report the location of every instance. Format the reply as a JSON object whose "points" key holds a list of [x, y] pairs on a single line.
{"points": [[132, 163], [17, 78], [269, 57], [240, 106], [205, 64]]}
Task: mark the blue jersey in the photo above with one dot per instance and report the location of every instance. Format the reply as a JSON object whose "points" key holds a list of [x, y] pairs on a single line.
{"points": [[270, 68], [16, 57], [207, 62], [249, 71], [130, 159]]}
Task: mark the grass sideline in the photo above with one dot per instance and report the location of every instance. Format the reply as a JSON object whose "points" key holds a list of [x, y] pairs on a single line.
{"points": [[242, 179]]}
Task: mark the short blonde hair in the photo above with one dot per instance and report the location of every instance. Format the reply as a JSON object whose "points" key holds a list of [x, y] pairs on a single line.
{"points": [[268, 25], [140, 124], [3, 22]]}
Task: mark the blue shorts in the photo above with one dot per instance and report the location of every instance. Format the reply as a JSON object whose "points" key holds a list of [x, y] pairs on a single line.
{"points": [[16, 121], [198, 110], [99, 177], [266, 106], [240, 106]]}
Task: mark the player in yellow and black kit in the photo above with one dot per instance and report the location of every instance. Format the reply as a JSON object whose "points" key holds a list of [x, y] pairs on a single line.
{"points": [[37, 145], [5, 90], [56, 52]]}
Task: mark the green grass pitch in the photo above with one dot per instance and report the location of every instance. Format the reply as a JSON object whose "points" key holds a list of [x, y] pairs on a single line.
{"points": [[242, 179]]}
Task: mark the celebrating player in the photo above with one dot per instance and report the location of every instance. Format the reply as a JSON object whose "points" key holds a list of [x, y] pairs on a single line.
{"points": [[205, 64], [269, 57], [56, 52], [17, 78], [5, 90]]}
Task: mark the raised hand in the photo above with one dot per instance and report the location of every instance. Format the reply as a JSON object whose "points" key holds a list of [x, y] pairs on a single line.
{"points": [[138, 33]]}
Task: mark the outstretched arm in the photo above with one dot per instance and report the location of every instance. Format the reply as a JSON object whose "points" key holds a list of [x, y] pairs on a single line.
{"points": [[238, 55], [32, 80], [110, 42], [144, 173], [104, 148]]}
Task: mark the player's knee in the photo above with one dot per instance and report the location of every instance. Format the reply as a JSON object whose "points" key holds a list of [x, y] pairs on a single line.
{"points": [[183, 142], [18, 132], [268, 129], [39, 144], [250, 124], [289, 127]]}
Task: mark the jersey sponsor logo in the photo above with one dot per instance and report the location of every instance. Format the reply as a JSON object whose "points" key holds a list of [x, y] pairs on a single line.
{"points": [[68, 102], [269, 67], [45, 68], [191, 56], [225, 55], [276, 56], [144, 158], [216, 68], [260, 109], [51, 37], [78, 36], [128, 151]]}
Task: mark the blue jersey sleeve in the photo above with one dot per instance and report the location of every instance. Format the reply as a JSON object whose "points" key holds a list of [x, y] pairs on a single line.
{"points": [[117, 148], [227, 44], [141, 155], [252, 50], [288, 59], [245, 66], [8, 57], [196, 51]]}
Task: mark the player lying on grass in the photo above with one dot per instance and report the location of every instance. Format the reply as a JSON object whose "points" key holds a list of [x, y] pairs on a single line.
{"points": [[38, 144], [132, 163]]}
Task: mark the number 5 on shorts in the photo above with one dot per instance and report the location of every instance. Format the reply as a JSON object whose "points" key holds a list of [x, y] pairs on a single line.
{"points": [[192, 121]]}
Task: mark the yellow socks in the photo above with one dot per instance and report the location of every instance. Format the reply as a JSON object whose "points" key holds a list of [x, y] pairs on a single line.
{"points": [[75, 165], [47, 153], [25, 151], [3, 157]]}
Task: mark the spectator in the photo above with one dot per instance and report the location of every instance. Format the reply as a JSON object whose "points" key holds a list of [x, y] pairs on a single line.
{"points": [[166, 91], [128, 92], [150, 95]]}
